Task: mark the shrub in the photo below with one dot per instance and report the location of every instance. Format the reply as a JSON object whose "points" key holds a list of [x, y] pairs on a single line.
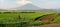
{"points": [[40, 22]]}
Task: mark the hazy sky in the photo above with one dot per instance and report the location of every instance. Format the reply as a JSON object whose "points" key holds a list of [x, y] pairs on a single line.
{"points": [[40, 3]]}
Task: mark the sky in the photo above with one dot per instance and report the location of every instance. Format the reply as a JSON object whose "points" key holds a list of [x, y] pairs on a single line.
{"points": [[47, 4]]}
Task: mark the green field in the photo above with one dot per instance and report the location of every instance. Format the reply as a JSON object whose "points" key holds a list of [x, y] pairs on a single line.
{"points": [[26, 18]]}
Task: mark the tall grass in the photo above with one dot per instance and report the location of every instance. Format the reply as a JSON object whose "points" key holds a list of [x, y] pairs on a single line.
{"points": [[12, 19]]}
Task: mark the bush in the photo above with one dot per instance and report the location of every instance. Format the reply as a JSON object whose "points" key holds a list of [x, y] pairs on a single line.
{"points": [[39, 23], [46, 22], [6, 12], [57, 19]]}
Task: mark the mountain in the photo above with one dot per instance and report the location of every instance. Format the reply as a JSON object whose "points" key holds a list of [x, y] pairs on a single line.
{"points": [[28, 6]]}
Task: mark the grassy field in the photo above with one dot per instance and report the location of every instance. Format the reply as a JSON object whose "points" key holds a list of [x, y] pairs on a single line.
{"points": [[26, 18]]}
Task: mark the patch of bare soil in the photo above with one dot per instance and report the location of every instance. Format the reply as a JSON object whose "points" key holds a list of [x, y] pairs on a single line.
{"points": [[48, 17], [48, 25]]}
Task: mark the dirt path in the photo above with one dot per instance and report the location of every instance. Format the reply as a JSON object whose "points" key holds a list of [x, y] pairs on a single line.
{"points": [[48, 25], [48, 17]]}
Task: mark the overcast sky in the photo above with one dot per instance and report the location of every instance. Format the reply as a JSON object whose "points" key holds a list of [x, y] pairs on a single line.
{"points": [[48, 4]]}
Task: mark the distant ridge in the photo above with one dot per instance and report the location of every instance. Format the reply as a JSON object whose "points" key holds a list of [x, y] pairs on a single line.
{"points": [[28, 6]]}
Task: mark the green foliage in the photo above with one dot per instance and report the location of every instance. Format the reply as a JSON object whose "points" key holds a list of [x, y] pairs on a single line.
{"points": [[57, 18], [40, 22], [26, 18]]}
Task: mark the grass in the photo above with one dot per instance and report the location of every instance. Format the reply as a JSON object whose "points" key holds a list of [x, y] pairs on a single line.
{"points": [[26, 18]]}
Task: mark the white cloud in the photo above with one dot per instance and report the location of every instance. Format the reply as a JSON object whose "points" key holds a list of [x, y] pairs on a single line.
{"points": [[23, 2], [1, 1]]}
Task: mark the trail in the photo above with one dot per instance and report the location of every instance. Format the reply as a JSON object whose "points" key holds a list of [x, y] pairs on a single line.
{"points": [[48, 17], [48, 25]]}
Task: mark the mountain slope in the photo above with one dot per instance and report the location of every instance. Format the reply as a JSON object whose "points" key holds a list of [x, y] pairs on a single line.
{"points": [[28, 7]]}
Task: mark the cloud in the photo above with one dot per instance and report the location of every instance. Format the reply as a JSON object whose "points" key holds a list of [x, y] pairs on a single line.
{"points": [[41, 3], [1, 1], [23, 2]]}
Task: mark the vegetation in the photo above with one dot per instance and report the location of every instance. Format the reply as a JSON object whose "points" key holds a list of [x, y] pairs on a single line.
{"points": [[22, 19]]}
